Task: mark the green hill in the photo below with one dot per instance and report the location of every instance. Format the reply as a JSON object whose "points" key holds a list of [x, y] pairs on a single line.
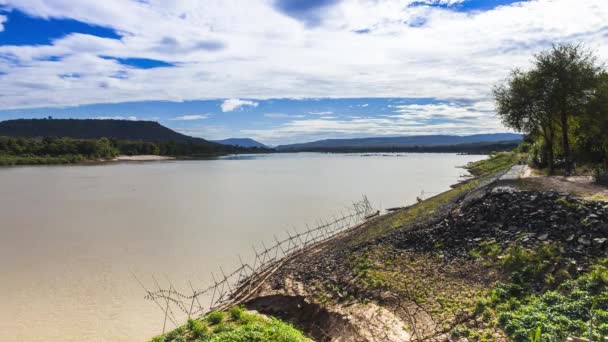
{"points": [[61, 141], [93, 129]]}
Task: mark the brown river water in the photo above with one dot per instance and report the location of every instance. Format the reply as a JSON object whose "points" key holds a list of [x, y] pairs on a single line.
{"points": [[72, 235]]}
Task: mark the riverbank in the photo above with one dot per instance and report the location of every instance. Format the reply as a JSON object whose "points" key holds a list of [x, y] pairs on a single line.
{"points": [[490, 260], [9, 160], [141, 158]]}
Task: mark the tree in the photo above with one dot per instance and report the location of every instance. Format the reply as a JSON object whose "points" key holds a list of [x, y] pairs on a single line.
{"points": [[521, 105], [555, 93], [568, 75], [591, 128]]}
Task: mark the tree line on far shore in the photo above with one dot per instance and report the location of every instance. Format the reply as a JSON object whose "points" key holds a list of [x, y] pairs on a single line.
{"points": [[48, 150], [561, 104]]}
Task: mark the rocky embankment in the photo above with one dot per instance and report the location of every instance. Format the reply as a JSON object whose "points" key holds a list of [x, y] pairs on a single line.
{"points": [[525, 217]]}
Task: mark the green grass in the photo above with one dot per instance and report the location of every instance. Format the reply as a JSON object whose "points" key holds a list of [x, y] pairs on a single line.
{"points": [[11, 160], [410, 215], [497, 162], [577, 307], [236, 325]]}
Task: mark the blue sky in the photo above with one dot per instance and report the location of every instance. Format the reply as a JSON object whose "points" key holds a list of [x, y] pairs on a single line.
{"points": [[280, 70]]}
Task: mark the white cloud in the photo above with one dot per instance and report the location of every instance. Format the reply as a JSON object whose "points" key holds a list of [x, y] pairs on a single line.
{"points": [[248, 49], [2, 21], [190, 117], [412, 119], [234, 104], [321, 113]]}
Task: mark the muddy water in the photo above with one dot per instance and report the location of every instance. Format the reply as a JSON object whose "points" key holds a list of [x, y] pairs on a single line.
{"points": [[71, 235]]}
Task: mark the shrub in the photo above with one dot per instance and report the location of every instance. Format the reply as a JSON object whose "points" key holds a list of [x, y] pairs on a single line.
{"points": [[216, 317], [198, 328], [274, 330], [236, 313]]}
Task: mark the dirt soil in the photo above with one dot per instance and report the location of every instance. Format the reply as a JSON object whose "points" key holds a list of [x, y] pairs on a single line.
{"points": [[579, 186]]}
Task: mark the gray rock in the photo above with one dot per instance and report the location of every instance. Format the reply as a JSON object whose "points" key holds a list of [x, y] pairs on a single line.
{"points": [[584, 241], [599, 242]]}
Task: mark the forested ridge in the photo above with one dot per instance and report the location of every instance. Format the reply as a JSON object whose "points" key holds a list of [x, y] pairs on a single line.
{"points": [[93, 129], [62, 141]]}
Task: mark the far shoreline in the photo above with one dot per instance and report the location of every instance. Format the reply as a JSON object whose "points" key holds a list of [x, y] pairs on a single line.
{"points": [[142, 158]]}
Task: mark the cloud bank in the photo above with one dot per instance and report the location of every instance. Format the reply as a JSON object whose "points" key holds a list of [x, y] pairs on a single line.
{"points": [[449, 51], [231, 105]]}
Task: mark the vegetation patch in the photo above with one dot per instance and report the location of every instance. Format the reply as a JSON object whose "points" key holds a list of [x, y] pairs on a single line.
{"points": [[236, 325], [433, 297], [572, 307], [496, 163]]}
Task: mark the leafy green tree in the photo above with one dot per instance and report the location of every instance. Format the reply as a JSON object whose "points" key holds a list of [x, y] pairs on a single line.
{"points": [[560, 91], [521, 105], [568, 74]]}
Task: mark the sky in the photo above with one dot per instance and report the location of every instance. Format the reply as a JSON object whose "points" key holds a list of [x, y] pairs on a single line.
{"points": [[280, 71]]}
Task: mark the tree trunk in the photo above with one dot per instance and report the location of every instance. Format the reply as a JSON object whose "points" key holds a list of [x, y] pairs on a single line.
{"points": [[551, 158], [566, 144]]}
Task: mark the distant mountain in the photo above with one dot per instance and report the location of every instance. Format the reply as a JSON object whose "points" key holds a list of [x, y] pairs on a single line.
{"points": [[93, 129], [396, 143], [242, 142]]}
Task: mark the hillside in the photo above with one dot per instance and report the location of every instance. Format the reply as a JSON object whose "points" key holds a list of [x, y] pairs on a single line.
{"points": [[242, 142], [65, 141], [93, 129], [400, 143]]}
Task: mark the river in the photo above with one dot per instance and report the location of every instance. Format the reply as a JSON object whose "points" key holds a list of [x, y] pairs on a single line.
{"points": [[72, 235]]}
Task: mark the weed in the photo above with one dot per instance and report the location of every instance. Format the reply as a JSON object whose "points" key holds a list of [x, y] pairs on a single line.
{"points": [[216, 317], [198, 328], [236, 312]]}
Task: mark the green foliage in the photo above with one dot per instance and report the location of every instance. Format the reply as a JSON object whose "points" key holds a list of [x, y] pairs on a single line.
{"points": [[489, 250], [216, 317], [175, 334], [274, 330], [497, 162], [159, 338], [528, 266], [37, 141], [236, 312], [17, 151], [559, 102], [574, 308], [199, 329], [237, 325], [34, 151]]}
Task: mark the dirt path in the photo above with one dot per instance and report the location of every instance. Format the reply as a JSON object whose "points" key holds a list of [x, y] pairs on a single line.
{"points": [[579, 186]]}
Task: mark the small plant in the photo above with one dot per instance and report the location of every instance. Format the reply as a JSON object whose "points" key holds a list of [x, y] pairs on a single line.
{"points": [[222, 327], [179, 331], [535, 335], [216, 317], [160, 338], [236, 313], [198, 328]]}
